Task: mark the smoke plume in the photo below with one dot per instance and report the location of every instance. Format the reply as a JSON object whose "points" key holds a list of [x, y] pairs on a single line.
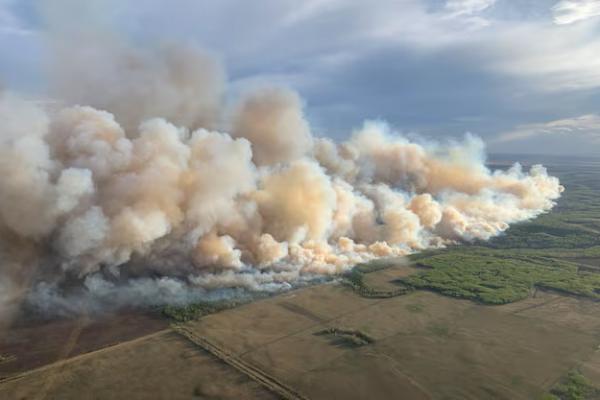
{"points": [[141, 186]]}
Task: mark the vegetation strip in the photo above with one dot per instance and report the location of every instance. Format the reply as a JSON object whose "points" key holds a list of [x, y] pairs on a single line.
{"points": [[573, 387], [5, 358], [350, 336], [355, 280], [194, 311], [252, 372]]}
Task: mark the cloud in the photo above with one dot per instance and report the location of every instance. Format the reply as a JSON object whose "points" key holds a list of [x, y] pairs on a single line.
{"points": [[562, 59], [570, 11], [467, 11], [10, 24], [588, 125], [310, 8], [574, 136], [422, 64], [462, 7]]}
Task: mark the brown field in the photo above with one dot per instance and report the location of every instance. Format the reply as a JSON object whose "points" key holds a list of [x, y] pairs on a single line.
{"points": [[34, 343], [426, 347], [162, 365]]}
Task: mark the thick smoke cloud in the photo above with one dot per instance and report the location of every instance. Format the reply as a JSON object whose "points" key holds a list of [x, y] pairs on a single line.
{"points": [[166, 214], [90, 64], [178, 83], [272, 120], [140, 186]]}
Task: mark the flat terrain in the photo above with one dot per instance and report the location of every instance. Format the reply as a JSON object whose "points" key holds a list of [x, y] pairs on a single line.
{"points": [[427, 346], [34, 343], [162, 365]]}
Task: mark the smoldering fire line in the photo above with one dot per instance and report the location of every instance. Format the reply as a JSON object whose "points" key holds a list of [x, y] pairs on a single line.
{"points": [[202, 199]]}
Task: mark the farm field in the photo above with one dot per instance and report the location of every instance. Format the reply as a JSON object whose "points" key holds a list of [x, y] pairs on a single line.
{"points": [[426, 346], [159, 365]]}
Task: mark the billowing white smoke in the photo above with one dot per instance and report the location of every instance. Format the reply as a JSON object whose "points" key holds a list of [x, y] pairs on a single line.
{"points": [[169, 213]]}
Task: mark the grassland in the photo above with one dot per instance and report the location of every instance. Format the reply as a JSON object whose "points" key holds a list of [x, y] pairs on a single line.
{"points": [[158, 366], [424, 345]]}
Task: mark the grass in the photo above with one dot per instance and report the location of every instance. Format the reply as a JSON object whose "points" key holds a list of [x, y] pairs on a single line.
{"points": [[439, 329], [415, 308], [573, 387]]}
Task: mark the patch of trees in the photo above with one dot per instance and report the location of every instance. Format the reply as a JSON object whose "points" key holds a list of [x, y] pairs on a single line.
{"points": [[500, 276], [348, 337], [573, 387], [194, 311]]}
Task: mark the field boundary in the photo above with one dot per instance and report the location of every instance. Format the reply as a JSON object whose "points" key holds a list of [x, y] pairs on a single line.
{"points": [[65, 361], [254, 373]]}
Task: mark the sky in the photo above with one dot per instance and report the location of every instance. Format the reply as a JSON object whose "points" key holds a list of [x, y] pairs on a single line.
{"points": [[524, 75]]}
